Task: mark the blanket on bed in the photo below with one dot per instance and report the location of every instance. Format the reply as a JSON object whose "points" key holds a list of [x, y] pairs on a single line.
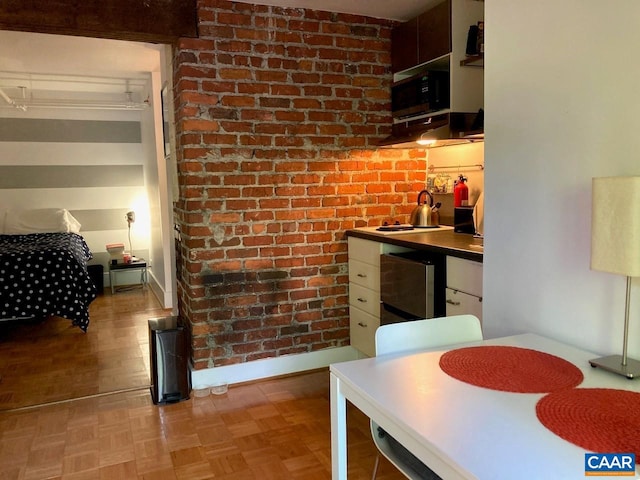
{"points": [[45, 274]]}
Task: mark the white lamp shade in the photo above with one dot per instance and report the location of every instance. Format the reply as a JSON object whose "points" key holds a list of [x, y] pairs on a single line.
{"points": [[615, 225]]}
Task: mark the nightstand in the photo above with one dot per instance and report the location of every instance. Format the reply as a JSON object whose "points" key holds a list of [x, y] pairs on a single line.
{"points": [[139, 264]]}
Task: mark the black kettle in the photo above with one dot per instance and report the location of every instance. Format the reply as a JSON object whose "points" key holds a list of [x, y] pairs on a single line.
{"points": [[423, 215]]}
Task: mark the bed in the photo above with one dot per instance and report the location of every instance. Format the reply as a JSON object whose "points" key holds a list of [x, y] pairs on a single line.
{"points": [[43, 274]]}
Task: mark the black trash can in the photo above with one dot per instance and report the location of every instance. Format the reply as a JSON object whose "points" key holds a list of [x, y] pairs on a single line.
{"points": [[96, 273], [170, 380]]}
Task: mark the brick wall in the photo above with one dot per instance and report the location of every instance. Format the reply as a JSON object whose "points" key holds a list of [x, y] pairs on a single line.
{"points": [[278, 113]]}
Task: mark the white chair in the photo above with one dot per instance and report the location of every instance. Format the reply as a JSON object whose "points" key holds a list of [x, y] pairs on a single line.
{"points": [[417, 335]]}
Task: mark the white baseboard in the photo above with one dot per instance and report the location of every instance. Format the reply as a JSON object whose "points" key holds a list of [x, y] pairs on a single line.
{"points": [[164, 297], [270, 367]]}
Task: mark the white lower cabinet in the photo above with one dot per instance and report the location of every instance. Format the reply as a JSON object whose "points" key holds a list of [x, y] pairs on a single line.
{"points": [[459, 303], [463, 294], [362, 330], [364, 291], [464, 287]]}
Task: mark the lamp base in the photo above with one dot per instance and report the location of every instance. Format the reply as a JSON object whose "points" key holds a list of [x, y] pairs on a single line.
{"points": [[613, 363]]}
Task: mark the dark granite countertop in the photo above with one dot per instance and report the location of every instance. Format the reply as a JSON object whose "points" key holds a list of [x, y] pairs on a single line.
{"points": [[448, 242]]}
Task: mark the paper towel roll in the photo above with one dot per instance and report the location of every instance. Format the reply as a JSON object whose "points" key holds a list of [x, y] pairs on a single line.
{"points": [[478, 215]]}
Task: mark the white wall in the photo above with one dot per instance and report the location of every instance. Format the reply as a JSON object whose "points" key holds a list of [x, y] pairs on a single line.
{"points": [[160, 201], [561, 100], [452, 161], [460, 159], [100, 201]]}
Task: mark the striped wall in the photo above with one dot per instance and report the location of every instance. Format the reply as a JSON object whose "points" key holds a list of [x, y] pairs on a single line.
{"points": [[87, 161], [68, 131]]}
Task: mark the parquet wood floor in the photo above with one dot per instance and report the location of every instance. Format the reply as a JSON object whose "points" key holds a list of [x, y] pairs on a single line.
{"points": [[272, 429], [267, 430], [51, 360]]}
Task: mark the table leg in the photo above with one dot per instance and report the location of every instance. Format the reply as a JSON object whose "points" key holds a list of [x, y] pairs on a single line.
{"points": [[338, 431]]}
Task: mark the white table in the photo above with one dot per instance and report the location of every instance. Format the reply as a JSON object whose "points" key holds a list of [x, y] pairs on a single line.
{"points": [[457, 429]]}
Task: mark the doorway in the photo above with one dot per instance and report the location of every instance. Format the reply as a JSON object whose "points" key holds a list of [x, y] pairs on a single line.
{"points": [[52, 361]]}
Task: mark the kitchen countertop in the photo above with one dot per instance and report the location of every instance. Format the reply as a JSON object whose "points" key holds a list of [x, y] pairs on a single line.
{"points": [[448, 242]]}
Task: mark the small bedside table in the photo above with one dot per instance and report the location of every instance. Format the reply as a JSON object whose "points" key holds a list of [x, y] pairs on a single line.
{"points": [[139, 264]]}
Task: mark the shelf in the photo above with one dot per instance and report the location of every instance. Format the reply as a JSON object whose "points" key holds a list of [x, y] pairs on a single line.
{"points": [[432, 168], [440, 64], [473, 61]]}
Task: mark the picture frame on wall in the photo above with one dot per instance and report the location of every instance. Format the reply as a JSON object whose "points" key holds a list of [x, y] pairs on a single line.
{"points": [[164, 95]]}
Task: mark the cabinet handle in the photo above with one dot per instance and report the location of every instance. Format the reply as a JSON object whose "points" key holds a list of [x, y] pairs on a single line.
{"points": [[362, 324], [451, 302], [362, 300], [362, 275]]}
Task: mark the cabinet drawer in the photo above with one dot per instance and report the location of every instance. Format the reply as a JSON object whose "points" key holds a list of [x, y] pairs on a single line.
{"points": [[365, 299], [362, 329], [464, 275], [364, 274], [459, 303], [364, 250]]}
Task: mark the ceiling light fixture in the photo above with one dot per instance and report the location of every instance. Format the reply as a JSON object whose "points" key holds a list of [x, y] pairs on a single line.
{"points": [[425, 141]]}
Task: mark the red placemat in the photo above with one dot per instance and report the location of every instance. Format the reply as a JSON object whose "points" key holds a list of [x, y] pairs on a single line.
{"points": [[510, 369], [600, 420]]}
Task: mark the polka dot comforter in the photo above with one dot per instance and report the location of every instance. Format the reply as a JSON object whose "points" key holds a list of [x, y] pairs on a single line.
{"points": [[45, 274]]}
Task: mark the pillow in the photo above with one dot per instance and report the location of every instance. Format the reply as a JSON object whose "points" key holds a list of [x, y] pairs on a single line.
{"points": [[40, 220]]}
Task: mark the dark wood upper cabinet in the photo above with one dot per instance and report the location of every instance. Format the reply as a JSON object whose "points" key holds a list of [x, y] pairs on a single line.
{"points": [[423, 38], [434, 32], [404, 45]]}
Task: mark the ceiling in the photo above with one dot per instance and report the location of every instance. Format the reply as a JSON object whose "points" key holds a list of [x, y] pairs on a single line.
{"points": [[34, 62], [402, 10], [36, 65]]}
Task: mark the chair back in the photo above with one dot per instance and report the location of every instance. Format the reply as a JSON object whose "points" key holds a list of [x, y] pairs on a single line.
{"points": [[428, 333], [414, 335]]}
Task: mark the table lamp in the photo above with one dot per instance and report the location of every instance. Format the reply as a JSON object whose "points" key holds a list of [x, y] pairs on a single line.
{"points": [[615, 248], [131, 218]]}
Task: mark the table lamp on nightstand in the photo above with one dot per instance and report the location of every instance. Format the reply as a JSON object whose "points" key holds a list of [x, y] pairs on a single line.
{"points": [[615, 248], [131, 218]]}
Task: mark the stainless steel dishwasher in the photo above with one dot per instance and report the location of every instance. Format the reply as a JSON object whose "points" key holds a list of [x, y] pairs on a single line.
{"points": [[411, 286]]}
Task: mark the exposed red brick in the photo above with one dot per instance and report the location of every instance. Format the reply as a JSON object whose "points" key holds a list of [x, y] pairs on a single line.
{"points": [[211, 86], [238, 101], [219, 139], [226, 217], [228, 18], [289, 116], [234, 74], [325, 40], [190, 153], [288, 90], [304, 26], [198, 98], [201, 125], [278, 112], [288, 37]]}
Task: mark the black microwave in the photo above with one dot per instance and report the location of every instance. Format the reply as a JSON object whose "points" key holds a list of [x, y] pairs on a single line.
{"points": [[421, 94]]}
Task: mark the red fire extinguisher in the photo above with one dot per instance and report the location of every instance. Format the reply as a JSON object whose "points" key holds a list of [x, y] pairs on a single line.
{"points": [[461, 193]]}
